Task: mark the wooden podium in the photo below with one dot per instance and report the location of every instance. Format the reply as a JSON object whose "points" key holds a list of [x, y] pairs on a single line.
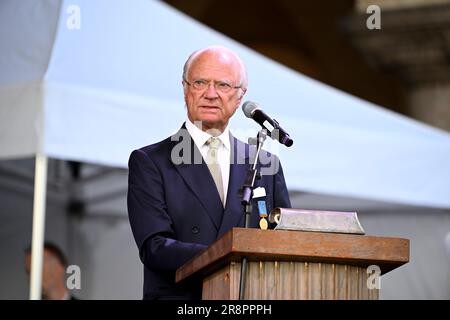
{"points": [[295, 265]]}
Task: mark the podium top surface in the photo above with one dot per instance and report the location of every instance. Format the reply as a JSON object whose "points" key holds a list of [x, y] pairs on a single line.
{"points": [[276, 245]]}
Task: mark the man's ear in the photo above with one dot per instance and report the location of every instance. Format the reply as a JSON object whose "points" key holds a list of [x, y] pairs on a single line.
{"points": [[242, 94]]}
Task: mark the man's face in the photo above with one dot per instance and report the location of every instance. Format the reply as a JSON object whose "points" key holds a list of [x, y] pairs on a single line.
{"points": [[210, 106]]}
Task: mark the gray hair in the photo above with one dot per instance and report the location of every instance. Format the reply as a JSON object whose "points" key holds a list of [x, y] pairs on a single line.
{"points": [[243, 71]]}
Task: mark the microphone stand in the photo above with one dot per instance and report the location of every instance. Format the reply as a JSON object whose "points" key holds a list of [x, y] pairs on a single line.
{"points": [[247, 189]]}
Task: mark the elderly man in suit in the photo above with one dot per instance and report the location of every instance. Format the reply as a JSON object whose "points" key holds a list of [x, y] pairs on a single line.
{"points": [[183, 192]]}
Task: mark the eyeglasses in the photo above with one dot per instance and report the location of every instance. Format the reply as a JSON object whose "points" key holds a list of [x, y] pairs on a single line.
{"points": [[220, 86]]}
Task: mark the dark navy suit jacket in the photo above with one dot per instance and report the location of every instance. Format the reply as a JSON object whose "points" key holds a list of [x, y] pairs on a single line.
{"points": [[175, 210]]}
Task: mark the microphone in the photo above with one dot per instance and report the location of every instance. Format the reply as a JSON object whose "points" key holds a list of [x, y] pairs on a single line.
{"points": [[252, 110]]}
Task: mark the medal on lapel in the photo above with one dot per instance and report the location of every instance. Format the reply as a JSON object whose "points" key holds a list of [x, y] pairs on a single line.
{"points": [[259, 194]]}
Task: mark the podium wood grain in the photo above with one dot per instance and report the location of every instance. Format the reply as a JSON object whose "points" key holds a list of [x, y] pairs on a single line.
{"points": [[294, 264]]}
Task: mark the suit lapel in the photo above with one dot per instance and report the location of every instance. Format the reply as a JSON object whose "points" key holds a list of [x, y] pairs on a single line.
{"points": [[197, 176]]}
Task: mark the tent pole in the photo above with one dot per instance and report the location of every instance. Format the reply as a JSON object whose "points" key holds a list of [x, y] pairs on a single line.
{"points": [[37, 242]]}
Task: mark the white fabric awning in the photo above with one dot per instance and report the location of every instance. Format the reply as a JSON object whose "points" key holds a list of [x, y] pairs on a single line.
{"points": [[94, 94]]}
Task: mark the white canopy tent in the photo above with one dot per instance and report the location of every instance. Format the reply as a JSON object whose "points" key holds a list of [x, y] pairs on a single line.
{"points": [[96, 92]]}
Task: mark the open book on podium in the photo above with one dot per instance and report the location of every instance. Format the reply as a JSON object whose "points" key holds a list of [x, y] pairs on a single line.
{"points": [[309, 255]]}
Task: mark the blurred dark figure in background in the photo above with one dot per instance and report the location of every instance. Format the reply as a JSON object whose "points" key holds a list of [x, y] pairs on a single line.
{"points": [[53, 273]]}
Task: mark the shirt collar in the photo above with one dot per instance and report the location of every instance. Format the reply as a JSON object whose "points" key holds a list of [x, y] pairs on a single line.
{"points": [[200, 137]]}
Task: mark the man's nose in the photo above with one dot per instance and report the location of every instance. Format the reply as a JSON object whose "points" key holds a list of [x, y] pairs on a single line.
{"points": [[211, 92]]}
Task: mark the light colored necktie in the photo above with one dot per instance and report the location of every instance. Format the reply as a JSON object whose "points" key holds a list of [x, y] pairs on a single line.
{"points": [[213, 164]]}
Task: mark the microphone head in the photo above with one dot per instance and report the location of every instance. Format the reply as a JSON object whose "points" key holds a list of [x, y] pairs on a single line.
{"points": [[249, 108]]}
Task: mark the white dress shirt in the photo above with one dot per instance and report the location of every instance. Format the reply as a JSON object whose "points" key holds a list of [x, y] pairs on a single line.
{"points": [[223, 153]]}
